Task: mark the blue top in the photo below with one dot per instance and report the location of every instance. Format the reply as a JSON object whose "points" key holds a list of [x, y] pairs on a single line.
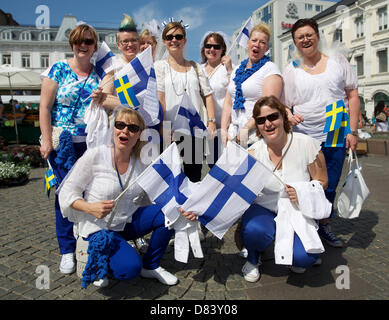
{"points": [[69, 108]]}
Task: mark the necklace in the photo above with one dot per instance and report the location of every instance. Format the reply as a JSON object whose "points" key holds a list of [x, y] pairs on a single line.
{"points": [[171, 79], [213, 71]]}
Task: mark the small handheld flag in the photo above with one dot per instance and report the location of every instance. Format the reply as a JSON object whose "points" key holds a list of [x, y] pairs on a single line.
{"points": [[337, 124], [244, 35], [104, 60], [50, 181], [125, 92]]}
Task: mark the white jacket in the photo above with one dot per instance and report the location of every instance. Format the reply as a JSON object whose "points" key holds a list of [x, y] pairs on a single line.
{"points": [[291, 218]]}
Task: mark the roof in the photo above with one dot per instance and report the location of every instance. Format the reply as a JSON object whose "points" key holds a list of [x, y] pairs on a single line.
{"points": [[332, 9]]}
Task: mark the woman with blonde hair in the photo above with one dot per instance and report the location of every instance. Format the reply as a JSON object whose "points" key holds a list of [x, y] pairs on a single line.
{"points": [[88, 195], [254, 78]]}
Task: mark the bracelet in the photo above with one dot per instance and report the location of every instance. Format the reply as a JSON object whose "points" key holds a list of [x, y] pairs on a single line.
{"points": [[211, 120]]}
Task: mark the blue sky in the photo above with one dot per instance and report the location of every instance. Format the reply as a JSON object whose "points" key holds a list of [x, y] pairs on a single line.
{"points": [[201, 15]]}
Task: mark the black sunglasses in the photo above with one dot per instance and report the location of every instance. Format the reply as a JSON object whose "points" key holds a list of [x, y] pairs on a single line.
{"points": [[120, 125], [215, 46], [271, 117], [170, 37], [87, 42]]}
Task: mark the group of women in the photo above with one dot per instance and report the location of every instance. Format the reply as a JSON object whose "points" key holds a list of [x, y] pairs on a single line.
{"points": [[278, 117]]}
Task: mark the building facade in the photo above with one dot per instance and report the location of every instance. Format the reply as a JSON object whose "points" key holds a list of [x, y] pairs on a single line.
{"points": [[360, 30], [280, 15]]}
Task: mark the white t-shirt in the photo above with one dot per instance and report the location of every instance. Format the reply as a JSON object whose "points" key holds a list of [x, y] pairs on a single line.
{"points": [[172, 83], [252, 91], [94, 178], [302, 152], [310, 94], [219, 81]]}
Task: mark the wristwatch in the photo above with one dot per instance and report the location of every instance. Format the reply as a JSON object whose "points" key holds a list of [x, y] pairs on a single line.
{"points": [[211, 120], [354, 133]]}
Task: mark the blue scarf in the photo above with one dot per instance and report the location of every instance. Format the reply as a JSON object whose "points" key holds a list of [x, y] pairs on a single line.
{"points": [[101, 246], [243, 74], [65, 152]]}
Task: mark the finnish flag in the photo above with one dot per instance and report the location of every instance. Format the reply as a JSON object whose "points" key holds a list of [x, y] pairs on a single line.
{"points": [[244, 34], [228, 189], [187, 120], [104, 60]]}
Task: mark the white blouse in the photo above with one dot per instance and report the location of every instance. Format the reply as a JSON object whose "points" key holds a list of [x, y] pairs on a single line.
{"points": [[93, 178], [172, 83], [219, 82], [310, 94], [302, 152], [252, 91]]}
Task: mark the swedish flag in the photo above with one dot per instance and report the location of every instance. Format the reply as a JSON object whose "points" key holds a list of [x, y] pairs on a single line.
{"points": [[125, 91], [50, 181], [336, 138], [334, 116]]}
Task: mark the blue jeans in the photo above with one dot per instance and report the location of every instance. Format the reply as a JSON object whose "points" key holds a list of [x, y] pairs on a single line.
{"points": [[334, 162], [63, 227], [258, 232]]}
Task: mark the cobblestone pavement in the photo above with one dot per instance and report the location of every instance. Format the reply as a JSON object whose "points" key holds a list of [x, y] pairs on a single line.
{"points": [[28, 240]]}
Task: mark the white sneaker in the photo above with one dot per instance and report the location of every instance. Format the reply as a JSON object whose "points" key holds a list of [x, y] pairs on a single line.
{"points": [[67, 264], [102, 283], [243, 253], [298, 270], [250, 272], [160, 274]]}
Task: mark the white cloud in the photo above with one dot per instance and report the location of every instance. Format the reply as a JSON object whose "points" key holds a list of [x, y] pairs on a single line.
{"points": [[193, 16], [146, 14]]}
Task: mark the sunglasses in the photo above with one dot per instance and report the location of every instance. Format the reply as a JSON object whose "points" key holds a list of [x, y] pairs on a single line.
{"points": [[120, 125], [126, 42], [215, 46], [271, 117], [87, 42], [170, 37]]}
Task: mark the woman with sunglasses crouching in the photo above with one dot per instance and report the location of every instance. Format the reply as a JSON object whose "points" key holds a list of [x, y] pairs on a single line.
{"points": [[292, 157], [65, 86], [87, 197]]}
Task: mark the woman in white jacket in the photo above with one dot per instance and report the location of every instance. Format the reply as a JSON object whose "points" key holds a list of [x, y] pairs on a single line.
{"points": [[292, 157], [87, 198]]}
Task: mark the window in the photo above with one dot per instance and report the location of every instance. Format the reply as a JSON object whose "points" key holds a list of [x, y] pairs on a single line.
{"points": [[318, 8], [359, 27], [26, 60], [111, 38], [6, 35], [382, 60], [359, 61], [266, 16], [25, 36], [382, 18], [6, 59], [338, 36], [308, 7], [44, 61], [44, 36]]}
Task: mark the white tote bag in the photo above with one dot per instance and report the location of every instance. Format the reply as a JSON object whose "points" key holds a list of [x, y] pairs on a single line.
{"points": [[354, 190]]}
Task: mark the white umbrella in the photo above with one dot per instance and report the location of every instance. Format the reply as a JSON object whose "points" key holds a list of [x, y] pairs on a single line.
{"points": [[17, 78]]}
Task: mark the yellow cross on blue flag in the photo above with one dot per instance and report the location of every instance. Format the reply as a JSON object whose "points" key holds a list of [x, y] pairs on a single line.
{"points": [[50, 181], [337, 124], [125, 92]]}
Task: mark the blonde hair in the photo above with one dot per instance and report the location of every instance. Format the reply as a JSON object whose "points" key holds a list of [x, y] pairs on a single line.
{"points": [[131, 113], [146, 33], [261, 27]]}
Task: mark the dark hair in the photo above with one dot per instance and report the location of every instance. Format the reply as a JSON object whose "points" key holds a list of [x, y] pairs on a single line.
{"points": [[274, 103], [379, 107], [128, 29], [305, 22], [77, 34], [219, 39]]}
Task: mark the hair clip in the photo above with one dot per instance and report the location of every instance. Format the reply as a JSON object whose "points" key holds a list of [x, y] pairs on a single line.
{"points": [[171, 19]]}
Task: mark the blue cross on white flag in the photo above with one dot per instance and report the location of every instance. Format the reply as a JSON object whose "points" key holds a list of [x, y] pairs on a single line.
{"points": [[104, 58], [166, 184], [244, 35], [188, 120], [141, 75], [228, 189]]}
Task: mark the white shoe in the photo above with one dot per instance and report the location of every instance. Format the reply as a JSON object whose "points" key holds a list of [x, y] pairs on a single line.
{"points": [[250, 272], [67, 264], [243, 253], [298, 270], [102, 283], [160, 274]]}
